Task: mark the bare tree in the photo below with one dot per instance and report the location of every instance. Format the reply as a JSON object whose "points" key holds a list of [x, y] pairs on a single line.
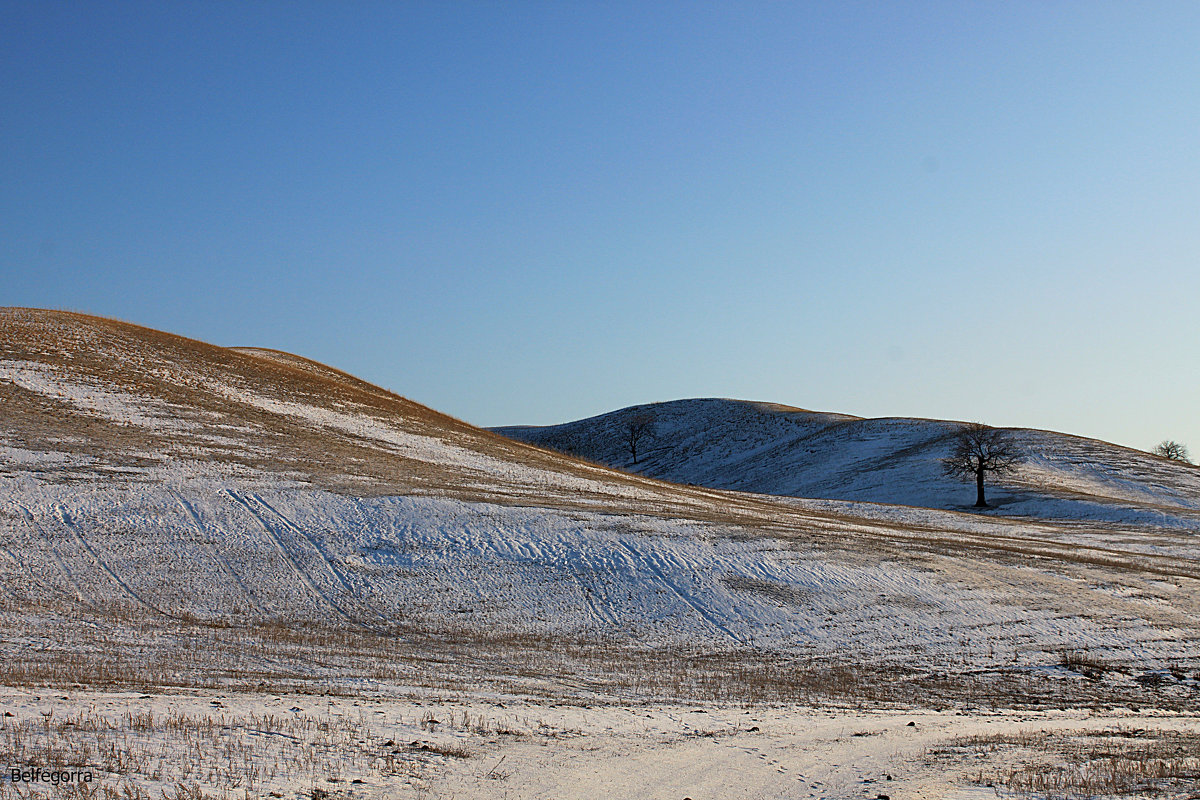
{"points": [[979, 450], [1170, 449], [637, 427]]}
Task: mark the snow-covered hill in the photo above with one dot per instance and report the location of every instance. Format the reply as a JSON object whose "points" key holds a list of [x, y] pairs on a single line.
{"points": [[773, 449], [154, 489]]}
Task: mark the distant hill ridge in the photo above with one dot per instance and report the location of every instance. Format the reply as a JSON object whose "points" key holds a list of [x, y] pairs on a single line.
{"points": [[782, 450]]}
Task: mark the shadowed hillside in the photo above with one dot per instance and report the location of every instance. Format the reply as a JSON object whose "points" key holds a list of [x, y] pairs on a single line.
{"points": [[773, 449]]}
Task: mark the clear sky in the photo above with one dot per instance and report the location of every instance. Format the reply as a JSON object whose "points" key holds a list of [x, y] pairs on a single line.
{"points": [[533, 212]]}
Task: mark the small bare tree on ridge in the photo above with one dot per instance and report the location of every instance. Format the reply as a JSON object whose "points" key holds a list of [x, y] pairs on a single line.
{"points": [[1172, 450], [979, 450]]}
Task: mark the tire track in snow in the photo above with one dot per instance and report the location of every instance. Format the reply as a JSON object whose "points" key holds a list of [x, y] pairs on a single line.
{"points": [[33, 525], [542, 553], [707, 616], [334, 572], [298, 531], [99, 563], [301, 573], [190, 511], [597, 611]]}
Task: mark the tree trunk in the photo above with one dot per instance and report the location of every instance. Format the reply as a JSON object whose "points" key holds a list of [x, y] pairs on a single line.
{"points": [[979, 501]]}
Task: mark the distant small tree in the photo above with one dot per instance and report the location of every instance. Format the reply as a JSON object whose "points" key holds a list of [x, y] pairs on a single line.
{"points": [[637, 427], [979, 450], [1172, 450]]}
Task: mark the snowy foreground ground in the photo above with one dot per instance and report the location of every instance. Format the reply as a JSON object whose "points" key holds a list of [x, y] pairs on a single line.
{"points": [[440, 745], [289, 642], [468, 650]]}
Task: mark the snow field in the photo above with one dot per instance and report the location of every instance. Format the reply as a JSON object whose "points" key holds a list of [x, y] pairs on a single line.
{"points": [[220, 548]]}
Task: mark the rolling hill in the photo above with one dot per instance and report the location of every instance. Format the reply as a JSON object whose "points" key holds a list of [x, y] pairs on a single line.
{"points": [[176, 512], [780, 450]]}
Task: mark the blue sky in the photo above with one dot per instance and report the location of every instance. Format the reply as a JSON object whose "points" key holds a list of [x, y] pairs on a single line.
{"points": [[533, 212]]}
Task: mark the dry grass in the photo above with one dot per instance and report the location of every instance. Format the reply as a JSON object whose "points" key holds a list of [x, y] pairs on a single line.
{"points": [[1066, 765], [1084, 663], [144, 652], [247, 754]]}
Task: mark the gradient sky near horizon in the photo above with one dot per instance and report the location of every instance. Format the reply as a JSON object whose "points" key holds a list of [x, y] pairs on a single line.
{"points": [[533, 212]]}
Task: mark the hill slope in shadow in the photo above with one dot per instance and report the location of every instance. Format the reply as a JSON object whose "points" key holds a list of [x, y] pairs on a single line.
{"points": [[780, 450]]}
